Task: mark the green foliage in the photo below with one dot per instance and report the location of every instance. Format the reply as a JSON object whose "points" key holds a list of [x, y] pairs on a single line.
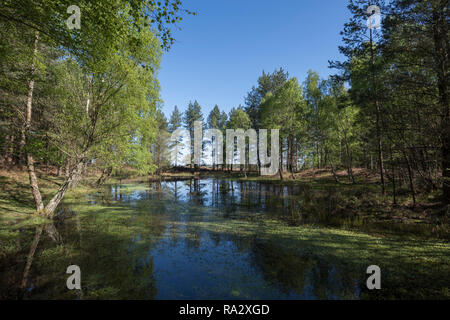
{"points": [[267, 82], [175, 121], [217, 119], [238, 119], [284, 109], [104, 24], [192, 114]]}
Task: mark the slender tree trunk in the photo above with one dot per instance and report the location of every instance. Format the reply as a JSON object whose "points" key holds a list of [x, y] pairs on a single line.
{"points": [[393, 177], [349, 162], [318, 155], [280, 169], [291, 157], [333, 171], [30, 161], [34, 184], [378, 118], [296, 156], [410, 176]]}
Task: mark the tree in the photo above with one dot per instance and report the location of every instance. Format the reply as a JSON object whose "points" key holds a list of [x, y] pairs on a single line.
{"points": [[216, 120], [267, 82], [416, 44], [192, 114], [160, 145], [175, 121], [103, 25], [107, 115], [285, 110], [113, 55], [238, 119], [214, 117], [357, 45], [314, 97], [105, 91]]}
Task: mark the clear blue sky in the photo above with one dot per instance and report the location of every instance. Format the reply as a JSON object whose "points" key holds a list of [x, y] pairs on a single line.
{"points": [[221, 52]]}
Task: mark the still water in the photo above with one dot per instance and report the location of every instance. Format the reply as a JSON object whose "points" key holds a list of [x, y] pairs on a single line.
{"points": [[221, 239]]}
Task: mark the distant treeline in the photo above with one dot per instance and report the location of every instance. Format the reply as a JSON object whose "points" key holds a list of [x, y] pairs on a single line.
{"points": [[386, 109]]}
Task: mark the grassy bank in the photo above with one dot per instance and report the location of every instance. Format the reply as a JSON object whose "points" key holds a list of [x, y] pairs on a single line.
{"points": [[362, 198], [17, 208]]}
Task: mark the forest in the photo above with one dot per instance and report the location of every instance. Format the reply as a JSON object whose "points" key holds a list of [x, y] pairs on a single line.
{"points": [[80, 109]]}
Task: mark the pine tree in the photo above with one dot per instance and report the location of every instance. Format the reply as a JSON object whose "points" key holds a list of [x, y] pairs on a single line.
{"points": [[175, 121], [214, 118], [192, 114]]}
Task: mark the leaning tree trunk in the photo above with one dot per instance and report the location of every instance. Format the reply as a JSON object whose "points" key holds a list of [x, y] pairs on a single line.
{"points": [[73, 176], [106, 173]]}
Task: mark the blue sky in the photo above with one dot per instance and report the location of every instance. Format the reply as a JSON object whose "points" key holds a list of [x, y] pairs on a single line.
{"points": [[221, 52]]}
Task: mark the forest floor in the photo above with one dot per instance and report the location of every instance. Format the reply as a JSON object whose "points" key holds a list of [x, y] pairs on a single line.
{"points": [[363, 197]]}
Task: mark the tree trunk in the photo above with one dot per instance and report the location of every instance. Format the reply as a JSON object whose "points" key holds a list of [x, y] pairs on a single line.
{"points": [[411, 178], [53, 203], [280, 169], [394, 189], [349, 162], [29, 158], [378, 118], [318, 155], [291, 157], [106, 173], [34, 184], [333, 171]]}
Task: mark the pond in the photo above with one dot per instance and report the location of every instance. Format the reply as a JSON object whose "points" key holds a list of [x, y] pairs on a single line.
{"points": [[221, 239]]}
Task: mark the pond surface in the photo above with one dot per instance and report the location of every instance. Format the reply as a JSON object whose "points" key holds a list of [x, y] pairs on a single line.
{"points": [[220, 239]]}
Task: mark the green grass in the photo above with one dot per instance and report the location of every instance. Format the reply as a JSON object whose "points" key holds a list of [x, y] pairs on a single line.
{"points": [[17, 208]]}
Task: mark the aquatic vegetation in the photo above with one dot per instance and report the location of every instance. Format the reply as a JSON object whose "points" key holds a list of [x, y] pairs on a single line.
{"points": [[219, 239]]}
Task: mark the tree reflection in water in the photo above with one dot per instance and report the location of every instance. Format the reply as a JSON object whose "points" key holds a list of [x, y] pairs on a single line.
{"points": [[211, 239]]}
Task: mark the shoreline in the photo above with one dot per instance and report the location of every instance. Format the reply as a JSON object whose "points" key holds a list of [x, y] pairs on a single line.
{"points": [[361, 199]]}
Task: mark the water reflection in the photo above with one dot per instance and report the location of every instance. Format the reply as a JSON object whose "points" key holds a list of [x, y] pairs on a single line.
{"points": [[191, 239]]}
